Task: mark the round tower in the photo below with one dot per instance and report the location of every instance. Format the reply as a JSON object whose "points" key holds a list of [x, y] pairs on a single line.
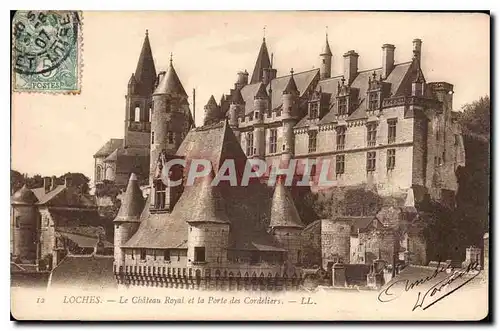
{"points": [[127, 220], [236, 109], [209, 226], [260, 103], [242, 79], [325, 69], [285, 224], [24, 225], [170, 120], [290, 112]]}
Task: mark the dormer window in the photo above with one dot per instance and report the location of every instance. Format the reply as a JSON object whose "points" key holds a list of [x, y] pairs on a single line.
{"points": [[313, 110], [160, 195], [373, 101], [342, 106]]}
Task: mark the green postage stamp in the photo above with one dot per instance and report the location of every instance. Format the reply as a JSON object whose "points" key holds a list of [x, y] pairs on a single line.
{"points": [[46, 51]]}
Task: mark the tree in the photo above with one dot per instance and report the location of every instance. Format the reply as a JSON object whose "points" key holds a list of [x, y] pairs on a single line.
{"points": [[78, 180], [16, 181]]}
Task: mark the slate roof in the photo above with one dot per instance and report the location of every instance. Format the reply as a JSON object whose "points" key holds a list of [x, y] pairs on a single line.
{"points": [[145, 72], [112, 157], [326, 48], [171, 84], [63, 196], [291, 86], [303, 81], [84, 272], [132, 159], [263, 62], [132, 202], [400, 79], [82, 240], [283, 210], [246, 208], [109, 147], [24, 196]]}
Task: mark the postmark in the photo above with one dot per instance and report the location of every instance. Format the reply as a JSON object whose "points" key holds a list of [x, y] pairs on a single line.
{"points": [[46, 51]]}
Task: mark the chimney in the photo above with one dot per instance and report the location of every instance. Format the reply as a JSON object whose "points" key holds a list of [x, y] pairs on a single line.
{"points": [[160, 76], [387, 59], [350, 66], [417, 49], [53, 184], [46, 184]]}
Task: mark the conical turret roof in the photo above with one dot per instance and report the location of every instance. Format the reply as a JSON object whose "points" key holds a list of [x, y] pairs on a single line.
{"points": [[171, 84], [24, 196], [291, 86], [263, 62], [213, 112], [145, 72], [261, 92], [283, 210], [209, 206], [237, 98], [211, 102], [132, 202], [326, 48]]}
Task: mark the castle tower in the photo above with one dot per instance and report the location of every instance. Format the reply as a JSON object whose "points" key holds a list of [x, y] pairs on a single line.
{"points": [[171, 120], [263, 62], [213, 112], [261, 100], [127, 220], [285, 224], [325, 69], [24, 226], [138, 99], [236, 109], [289, 116], [208, 235]]}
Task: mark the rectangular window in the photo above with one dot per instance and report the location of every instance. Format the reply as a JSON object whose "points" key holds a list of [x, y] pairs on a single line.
{"points": [[391, 131], [199, 254], [391, 159], [152, 137], [370, 161], [342, 106], [166, 255], [160, 195], [154, 254], [371, 137], [341, 138], [313, 110], [143, 254], [340, 164], [249, 143], [373, 101], [312, 141], [170, 137], [18, 221], [132, 254], [273, 140]]}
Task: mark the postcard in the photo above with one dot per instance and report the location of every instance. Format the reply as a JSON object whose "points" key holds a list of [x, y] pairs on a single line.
{"points": [[280, 166]]}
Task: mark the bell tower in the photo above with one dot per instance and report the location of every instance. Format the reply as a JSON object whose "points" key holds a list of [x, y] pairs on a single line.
{"points": [[139, 103]]}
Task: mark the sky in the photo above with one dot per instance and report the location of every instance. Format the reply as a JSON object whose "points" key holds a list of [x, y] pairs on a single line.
{"points": [[55, 134]]}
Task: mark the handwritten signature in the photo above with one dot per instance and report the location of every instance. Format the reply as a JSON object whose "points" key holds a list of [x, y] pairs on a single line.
{"points": [[436, 292]]}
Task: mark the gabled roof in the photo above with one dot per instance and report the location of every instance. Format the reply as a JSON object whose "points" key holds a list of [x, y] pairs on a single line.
{"points": [[211, 102], [112, 157], [291, 87], [283, 210], [145, 72], [109, 147], [263, 62], [213, 112], [84, 272], [63, 196], [132, 202], [171, 84], [236, 98]]}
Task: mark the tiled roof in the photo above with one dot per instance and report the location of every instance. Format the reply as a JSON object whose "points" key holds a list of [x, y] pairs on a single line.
{"points": [[24, 196], [84, 272], [247, 208], [109, 147], [171, 84], [132, 202], [283, 210], [145, 73], [399, 78], [263, 62]]}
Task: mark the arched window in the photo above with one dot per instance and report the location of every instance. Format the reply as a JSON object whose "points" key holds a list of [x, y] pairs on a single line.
{"points": [[137, 114]]}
